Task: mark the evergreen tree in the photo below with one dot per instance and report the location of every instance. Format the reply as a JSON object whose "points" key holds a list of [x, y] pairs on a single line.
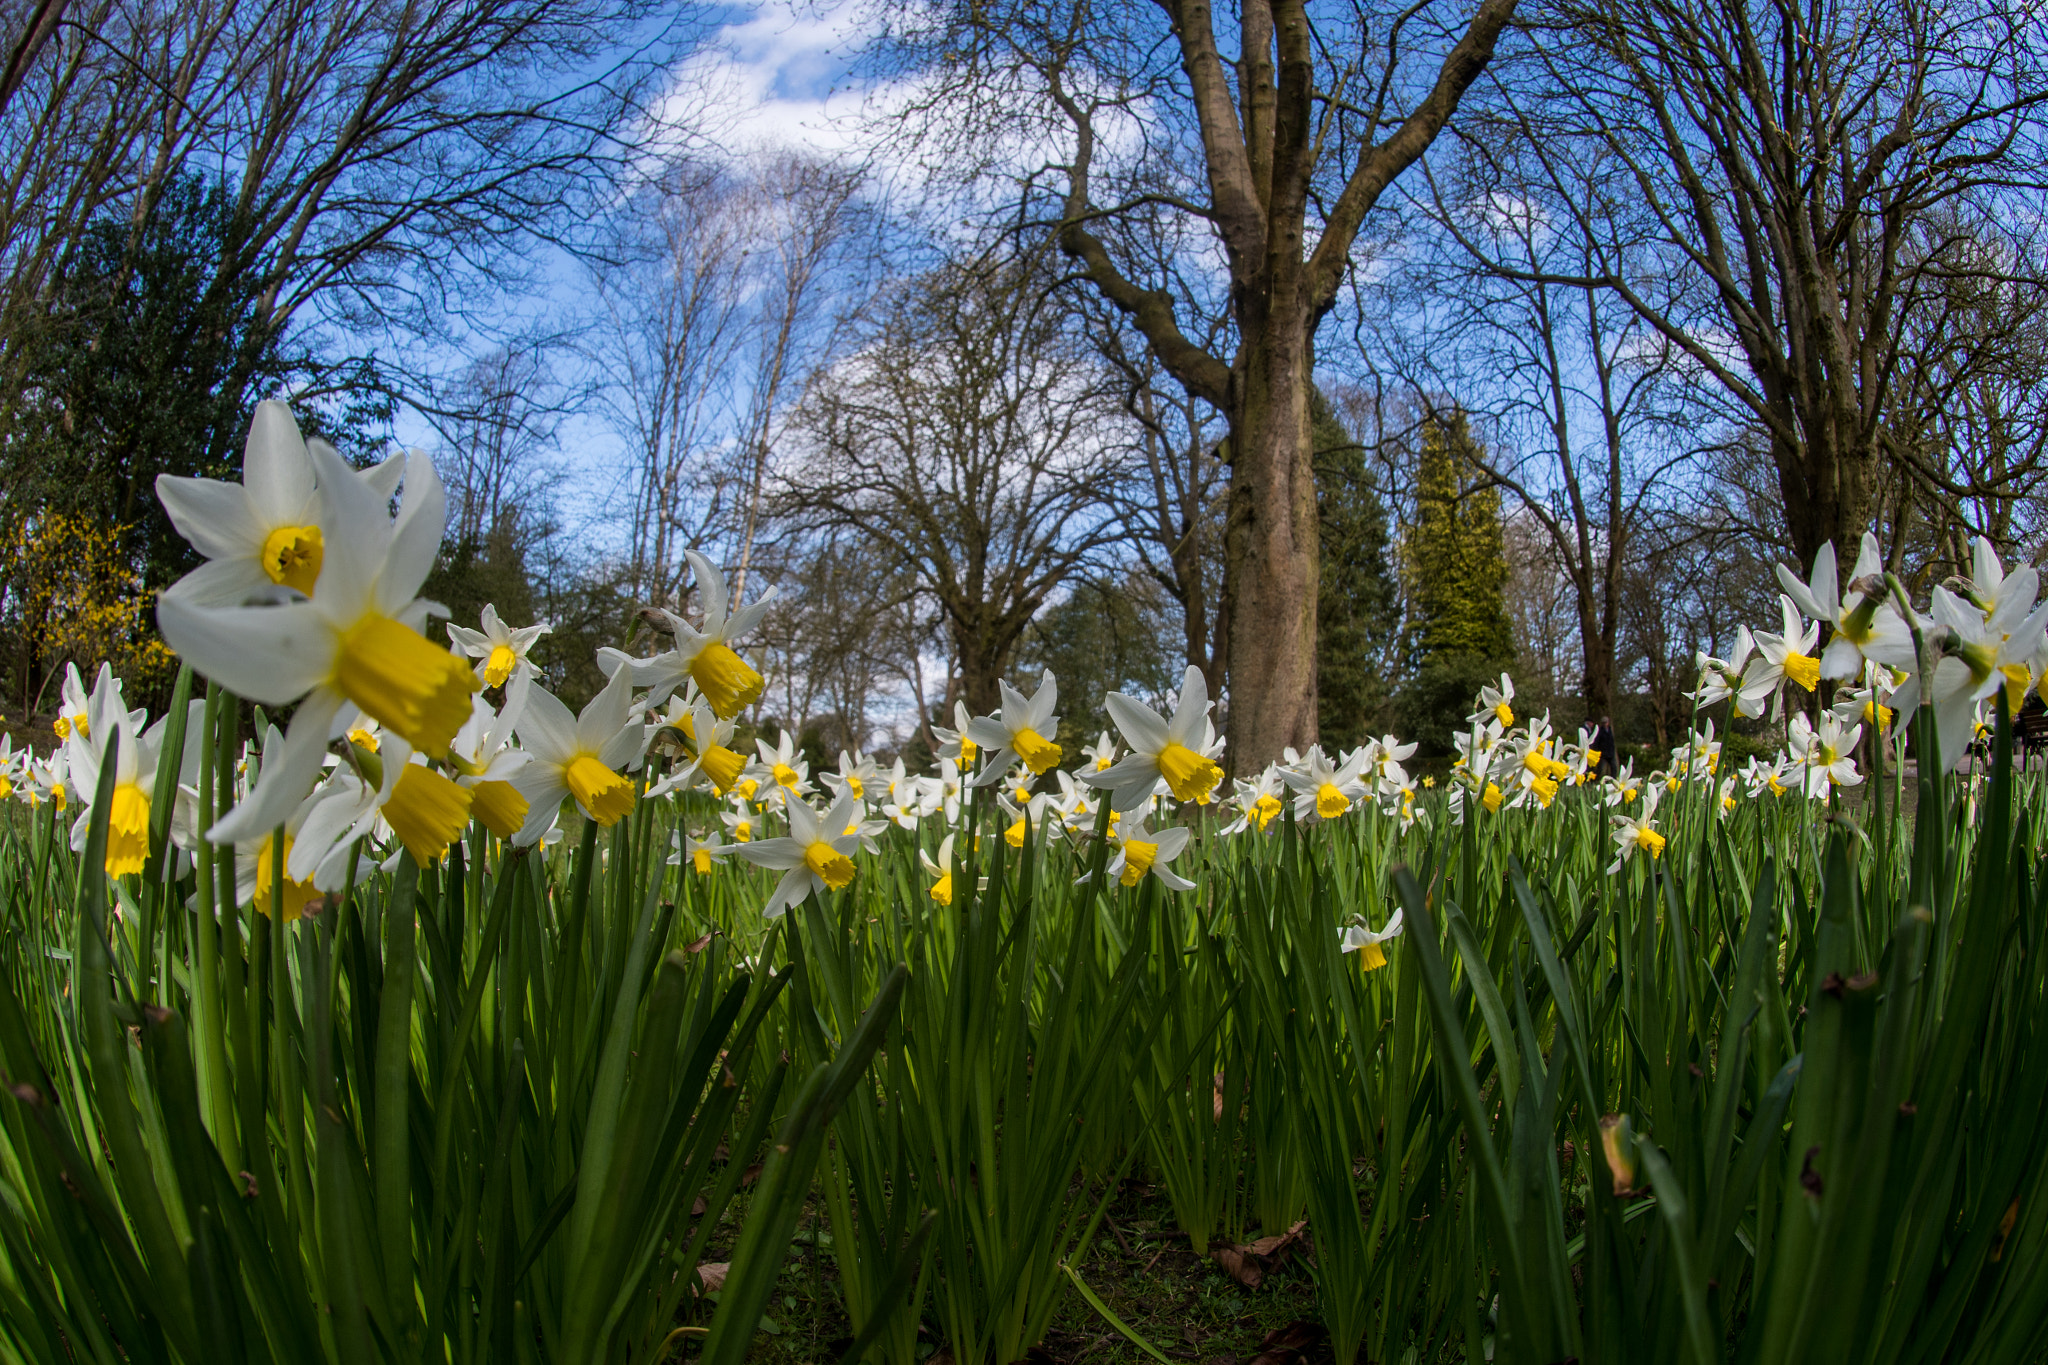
{"points": [[146, 357], [1357, 608], [1454, 557]]}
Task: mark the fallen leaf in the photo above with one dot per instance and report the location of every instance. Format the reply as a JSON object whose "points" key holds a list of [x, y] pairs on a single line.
{"points": [[1239, 1264], [1249, 1264], [713, 1275], [697, 1208], [751, 1174], [1285, 1345]]}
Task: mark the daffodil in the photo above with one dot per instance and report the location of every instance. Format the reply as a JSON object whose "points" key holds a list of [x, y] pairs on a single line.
{"points": [[944, 790], [1257, 802], [741, 822], [358, 640], [1635, 834], [780, 772], [1175, 751], [1781, 658], [815, 855], [705, 740], [702, 654], [957, 744], [1141, 852], [583, 756], [1862, 620], [857, 775], [486, 763], [135, 763], [698, 854], [1076, 811], [1323, 791], [1979, 656], [1624, 788], [1826, 753], [500, 652], [256, 880], [266, 533], [1497, 702], [396, 796], [1361, 939], [1721, 679], [1021, 729], [1101, 753]]}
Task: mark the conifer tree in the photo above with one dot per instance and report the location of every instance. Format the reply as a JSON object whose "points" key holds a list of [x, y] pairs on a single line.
{"points": [[1357, 609], [1454, 558]]}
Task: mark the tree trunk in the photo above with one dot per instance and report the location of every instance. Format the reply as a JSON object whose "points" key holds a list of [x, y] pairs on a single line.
{"points": [[1274, 560]]}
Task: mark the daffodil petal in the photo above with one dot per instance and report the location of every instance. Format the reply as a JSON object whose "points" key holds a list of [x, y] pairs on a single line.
{"points": [[271, 655]]}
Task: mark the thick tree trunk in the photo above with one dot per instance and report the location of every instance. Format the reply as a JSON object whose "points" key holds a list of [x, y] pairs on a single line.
{"points": [[1273, 546]]}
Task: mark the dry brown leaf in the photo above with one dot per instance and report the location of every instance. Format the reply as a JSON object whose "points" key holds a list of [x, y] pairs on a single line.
{"points": [[1250, 1263], [1285, 1345], [713, 1275]]}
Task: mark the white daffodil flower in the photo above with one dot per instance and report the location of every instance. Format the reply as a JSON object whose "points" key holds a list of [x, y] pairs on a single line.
{"points": [[1076, 811], [944, 789], [264, 533], [1141, 851], [1101, 753], [1174, 751], [1635, 834], [1862, 619], [358, 640], [1019, 730], [1826, 752], [1388, 754], [1360, 939], [856, 776], [501, 655], [135, 764], [1496, 701], [957, 745], [742, 822], [1980, 655], [1323, 791], [708, 742], [1257, 802], [256, 862], [580, 756], [702, 654], [940, 869], [1721, 679], [1781, 658], [486, 763], [817, 853], [397, 797], [699, 854], [784, 776]]}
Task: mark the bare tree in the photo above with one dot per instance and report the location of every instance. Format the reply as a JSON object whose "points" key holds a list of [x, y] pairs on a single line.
{"points": [[1279, 154], [1175, 505], [710, 317], [1810, 176], [1578, 387], [973, 440]]}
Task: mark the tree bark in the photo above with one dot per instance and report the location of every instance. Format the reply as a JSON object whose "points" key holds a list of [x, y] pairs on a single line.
{"points": [[1275, 565]]}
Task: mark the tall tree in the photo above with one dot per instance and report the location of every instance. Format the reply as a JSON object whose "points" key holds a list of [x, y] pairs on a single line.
{"points": [[1454, 555], [1278, 133], [973, 440], [1810, 175], [1576, 382], [1358, 608]]}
